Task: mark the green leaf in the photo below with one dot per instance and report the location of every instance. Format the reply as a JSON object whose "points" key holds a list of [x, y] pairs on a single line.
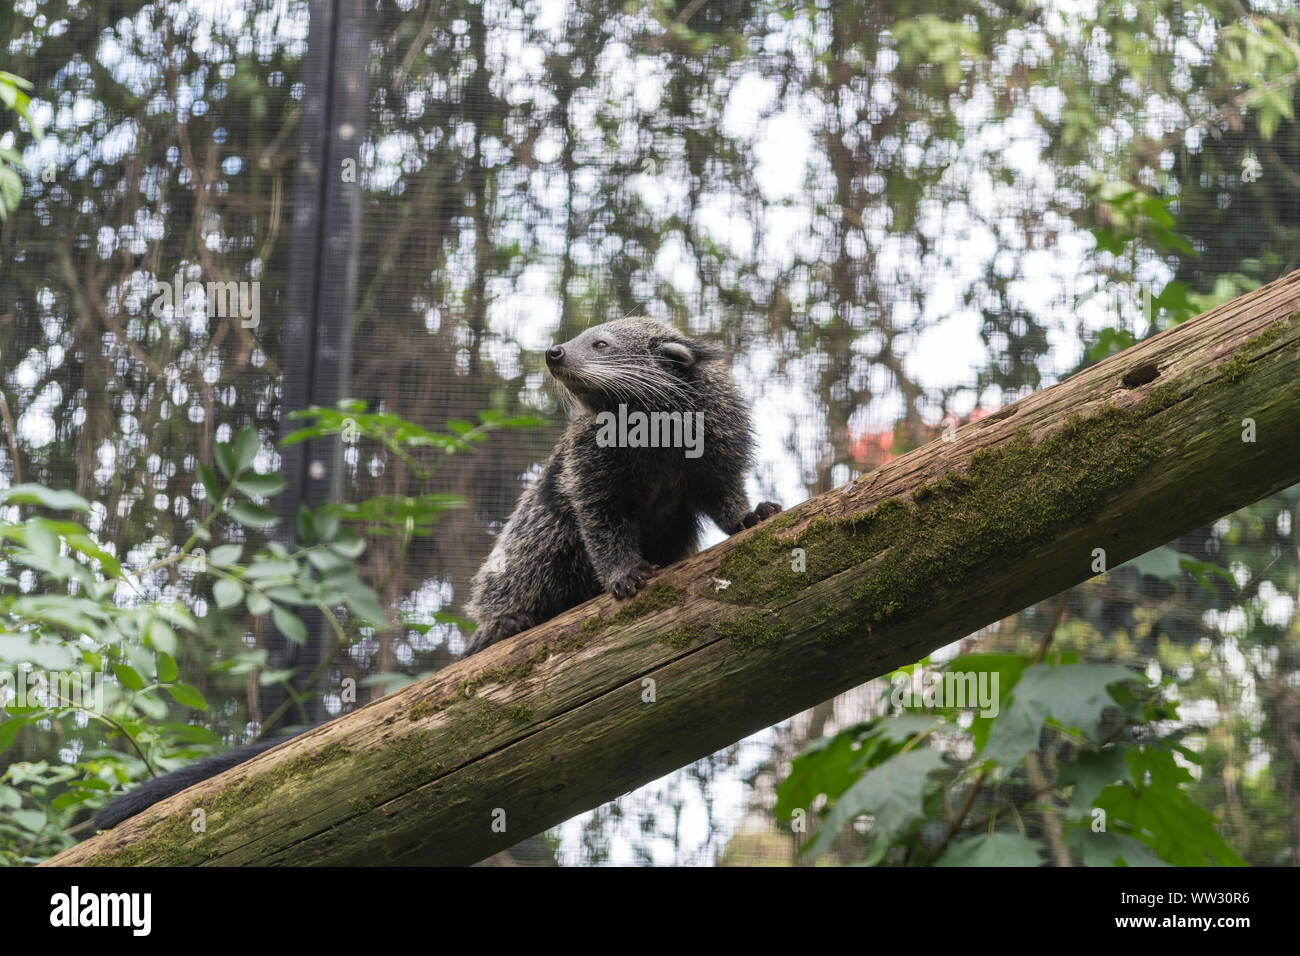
{"points": [[211, 487], [903, 727], [166, 667], [289, 624], [282, 676], [1163, 563], [82, 543], [246, 447], [1007, 667], [227, 592], [33, 821], [243, 662], [45, 655], [1091, 772], [289, 594], [161, 636], [250, 515], [258, 603], [1108, 241], [11, 189], [824, 767], [226, 461], [302, 434], [893, 792], [41, 541], [226, 555], [1162, 815], [128, 676], [187, 695], [69, 798], [497, 419], [1075, 695], [177, 615], [327, 526], [1109, 341], [32, 494], [440, 617], [396, 513], [264, 486], [364, 603], [8, 731], [1107, 848], [349, 544], [327, 561], [997, 849], [1204, 570], [13, 79], [72, 614], [265, 568]]}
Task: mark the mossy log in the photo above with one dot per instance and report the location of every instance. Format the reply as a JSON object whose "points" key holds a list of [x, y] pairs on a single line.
{"points": [[1153, 442]]}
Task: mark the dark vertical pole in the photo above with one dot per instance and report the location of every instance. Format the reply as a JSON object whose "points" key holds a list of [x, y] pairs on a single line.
{"points": [[322, 291]]}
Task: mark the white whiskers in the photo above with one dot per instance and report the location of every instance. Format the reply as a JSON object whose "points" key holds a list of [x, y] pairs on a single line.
{"points": [[634, 385]]}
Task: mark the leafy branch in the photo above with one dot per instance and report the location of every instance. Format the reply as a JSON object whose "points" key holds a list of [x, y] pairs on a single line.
{"points": [[70, 605]]}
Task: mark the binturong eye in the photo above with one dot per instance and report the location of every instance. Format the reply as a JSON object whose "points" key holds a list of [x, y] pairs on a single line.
{"points": [[600, 344]]}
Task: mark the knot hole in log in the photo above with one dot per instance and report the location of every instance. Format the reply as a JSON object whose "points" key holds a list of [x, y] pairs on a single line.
{"points": [[1134, 378]]}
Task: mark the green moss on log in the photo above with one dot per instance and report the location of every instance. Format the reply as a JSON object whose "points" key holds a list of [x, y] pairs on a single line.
{"points": [[1230, 373], [759, 629], [171, 841], [680, 637], [658, 596], [1239, 366], [1010, 498], [832, 625], [488, 715]]}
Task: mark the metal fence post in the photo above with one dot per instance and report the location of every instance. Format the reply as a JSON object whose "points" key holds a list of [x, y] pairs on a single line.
{"points": [[317, 343]]}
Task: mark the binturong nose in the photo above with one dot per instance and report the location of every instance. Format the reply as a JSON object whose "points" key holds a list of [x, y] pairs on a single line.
{"points": [[554, 354]]}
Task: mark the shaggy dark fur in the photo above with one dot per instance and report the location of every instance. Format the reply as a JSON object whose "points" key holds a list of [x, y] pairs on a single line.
{"points": [[606, 517]]}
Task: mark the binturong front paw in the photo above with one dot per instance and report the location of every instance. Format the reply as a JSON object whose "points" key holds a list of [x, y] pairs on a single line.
{"points": [[763, 510], [625, 584]]}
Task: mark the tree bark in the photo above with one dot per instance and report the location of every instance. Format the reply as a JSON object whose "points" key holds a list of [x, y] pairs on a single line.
{"points": [[1151, 443]]}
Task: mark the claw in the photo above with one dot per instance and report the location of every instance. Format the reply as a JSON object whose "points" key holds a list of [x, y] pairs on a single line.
{"points": [[764, 510], [629, 583]]}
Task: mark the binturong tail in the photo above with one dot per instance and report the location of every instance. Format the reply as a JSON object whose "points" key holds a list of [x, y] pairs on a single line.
{"points": [[159, 788]]}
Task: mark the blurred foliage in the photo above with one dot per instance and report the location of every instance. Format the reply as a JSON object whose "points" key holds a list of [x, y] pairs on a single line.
{"points": [[85, 638], [1071, 766], [14, 97]]}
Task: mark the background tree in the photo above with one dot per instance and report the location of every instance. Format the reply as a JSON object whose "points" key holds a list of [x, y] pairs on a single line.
{"points": [[895, 215]]}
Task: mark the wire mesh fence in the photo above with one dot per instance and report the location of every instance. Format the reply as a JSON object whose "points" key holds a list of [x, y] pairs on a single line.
{"points": [[886, 213]]}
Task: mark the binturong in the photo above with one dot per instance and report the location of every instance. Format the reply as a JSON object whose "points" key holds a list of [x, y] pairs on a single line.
{"points": [[660, 440]]}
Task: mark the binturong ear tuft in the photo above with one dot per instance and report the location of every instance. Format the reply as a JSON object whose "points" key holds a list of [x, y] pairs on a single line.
{"points": [[686, 354], [678, 352]]}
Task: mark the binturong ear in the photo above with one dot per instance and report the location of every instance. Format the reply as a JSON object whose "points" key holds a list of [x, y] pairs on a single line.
{"points": [[679, 352], [686, 354]]}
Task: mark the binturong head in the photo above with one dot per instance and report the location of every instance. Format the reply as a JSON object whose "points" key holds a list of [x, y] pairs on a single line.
{"points": [[640, 363]]}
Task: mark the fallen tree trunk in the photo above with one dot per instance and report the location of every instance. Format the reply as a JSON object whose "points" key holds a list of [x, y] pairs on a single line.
{"points": [[1151, 443]]}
